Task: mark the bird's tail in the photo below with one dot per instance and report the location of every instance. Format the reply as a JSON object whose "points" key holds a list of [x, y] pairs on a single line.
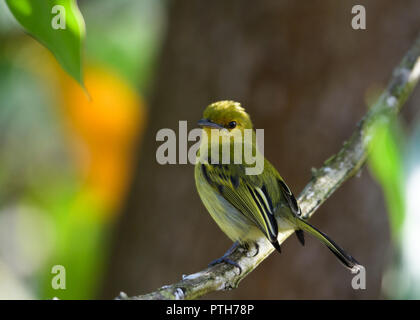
{"points": [[344, 257]]}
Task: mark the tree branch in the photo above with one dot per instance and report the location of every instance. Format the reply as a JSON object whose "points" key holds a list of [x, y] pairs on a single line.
{"points": [[324, 182]]}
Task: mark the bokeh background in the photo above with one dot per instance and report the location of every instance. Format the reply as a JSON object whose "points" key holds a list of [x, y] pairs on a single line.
{"points": [[79, 181]]}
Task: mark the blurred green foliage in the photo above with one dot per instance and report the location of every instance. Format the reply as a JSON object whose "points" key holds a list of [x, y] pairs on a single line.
{"points": [[387, 165], [33, 158], [394, 161], [47, 217], [41, 20], [125, 36]]}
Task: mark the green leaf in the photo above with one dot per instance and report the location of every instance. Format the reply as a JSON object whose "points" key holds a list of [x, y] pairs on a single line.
{"points": [[58, 25], [386, 162]]}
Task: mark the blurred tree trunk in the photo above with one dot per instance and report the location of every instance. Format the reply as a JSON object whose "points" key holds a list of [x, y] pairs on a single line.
{"points": [[303, 74]]}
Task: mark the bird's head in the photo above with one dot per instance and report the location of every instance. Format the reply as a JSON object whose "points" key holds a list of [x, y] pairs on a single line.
{"points": [[227, 115]]}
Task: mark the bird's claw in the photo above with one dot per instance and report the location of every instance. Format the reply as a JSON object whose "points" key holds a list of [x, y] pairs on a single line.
{"points": [[257, 249], [227, 261], [225, 258]]}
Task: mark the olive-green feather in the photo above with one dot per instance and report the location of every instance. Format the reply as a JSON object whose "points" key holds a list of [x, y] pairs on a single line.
{"points": [[257, 197]]}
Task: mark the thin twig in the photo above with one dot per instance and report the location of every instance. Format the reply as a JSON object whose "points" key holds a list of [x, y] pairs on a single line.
{"points": [[324, 182]]}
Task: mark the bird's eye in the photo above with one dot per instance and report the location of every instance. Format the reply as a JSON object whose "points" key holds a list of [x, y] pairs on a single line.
{"points": [[232, 124]]}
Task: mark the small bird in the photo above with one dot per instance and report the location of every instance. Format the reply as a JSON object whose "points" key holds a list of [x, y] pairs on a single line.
{"points": [[247, 206]]}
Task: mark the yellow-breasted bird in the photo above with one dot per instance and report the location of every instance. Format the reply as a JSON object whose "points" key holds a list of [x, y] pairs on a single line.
{"points": [[247, 206]]}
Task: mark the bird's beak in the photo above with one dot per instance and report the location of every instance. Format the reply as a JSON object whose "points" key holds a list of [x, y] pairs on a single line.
{"points": [[209, 124]]}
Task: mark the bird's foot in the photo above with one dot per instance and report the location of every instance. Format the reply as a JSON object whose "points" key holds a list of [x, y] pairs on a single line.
{"points": [[251, 250], [227, 261], [225, 258]]}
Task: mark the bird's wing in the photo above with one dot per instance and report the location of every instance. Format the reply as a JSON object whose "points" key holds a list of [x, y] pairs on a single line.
{"points": [[256, 196], [290, 198]]}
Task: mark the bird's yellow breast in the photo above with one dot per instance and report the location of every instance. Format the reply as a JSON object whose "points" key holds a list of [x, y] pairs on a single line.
{"points": [[232, 222]]}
